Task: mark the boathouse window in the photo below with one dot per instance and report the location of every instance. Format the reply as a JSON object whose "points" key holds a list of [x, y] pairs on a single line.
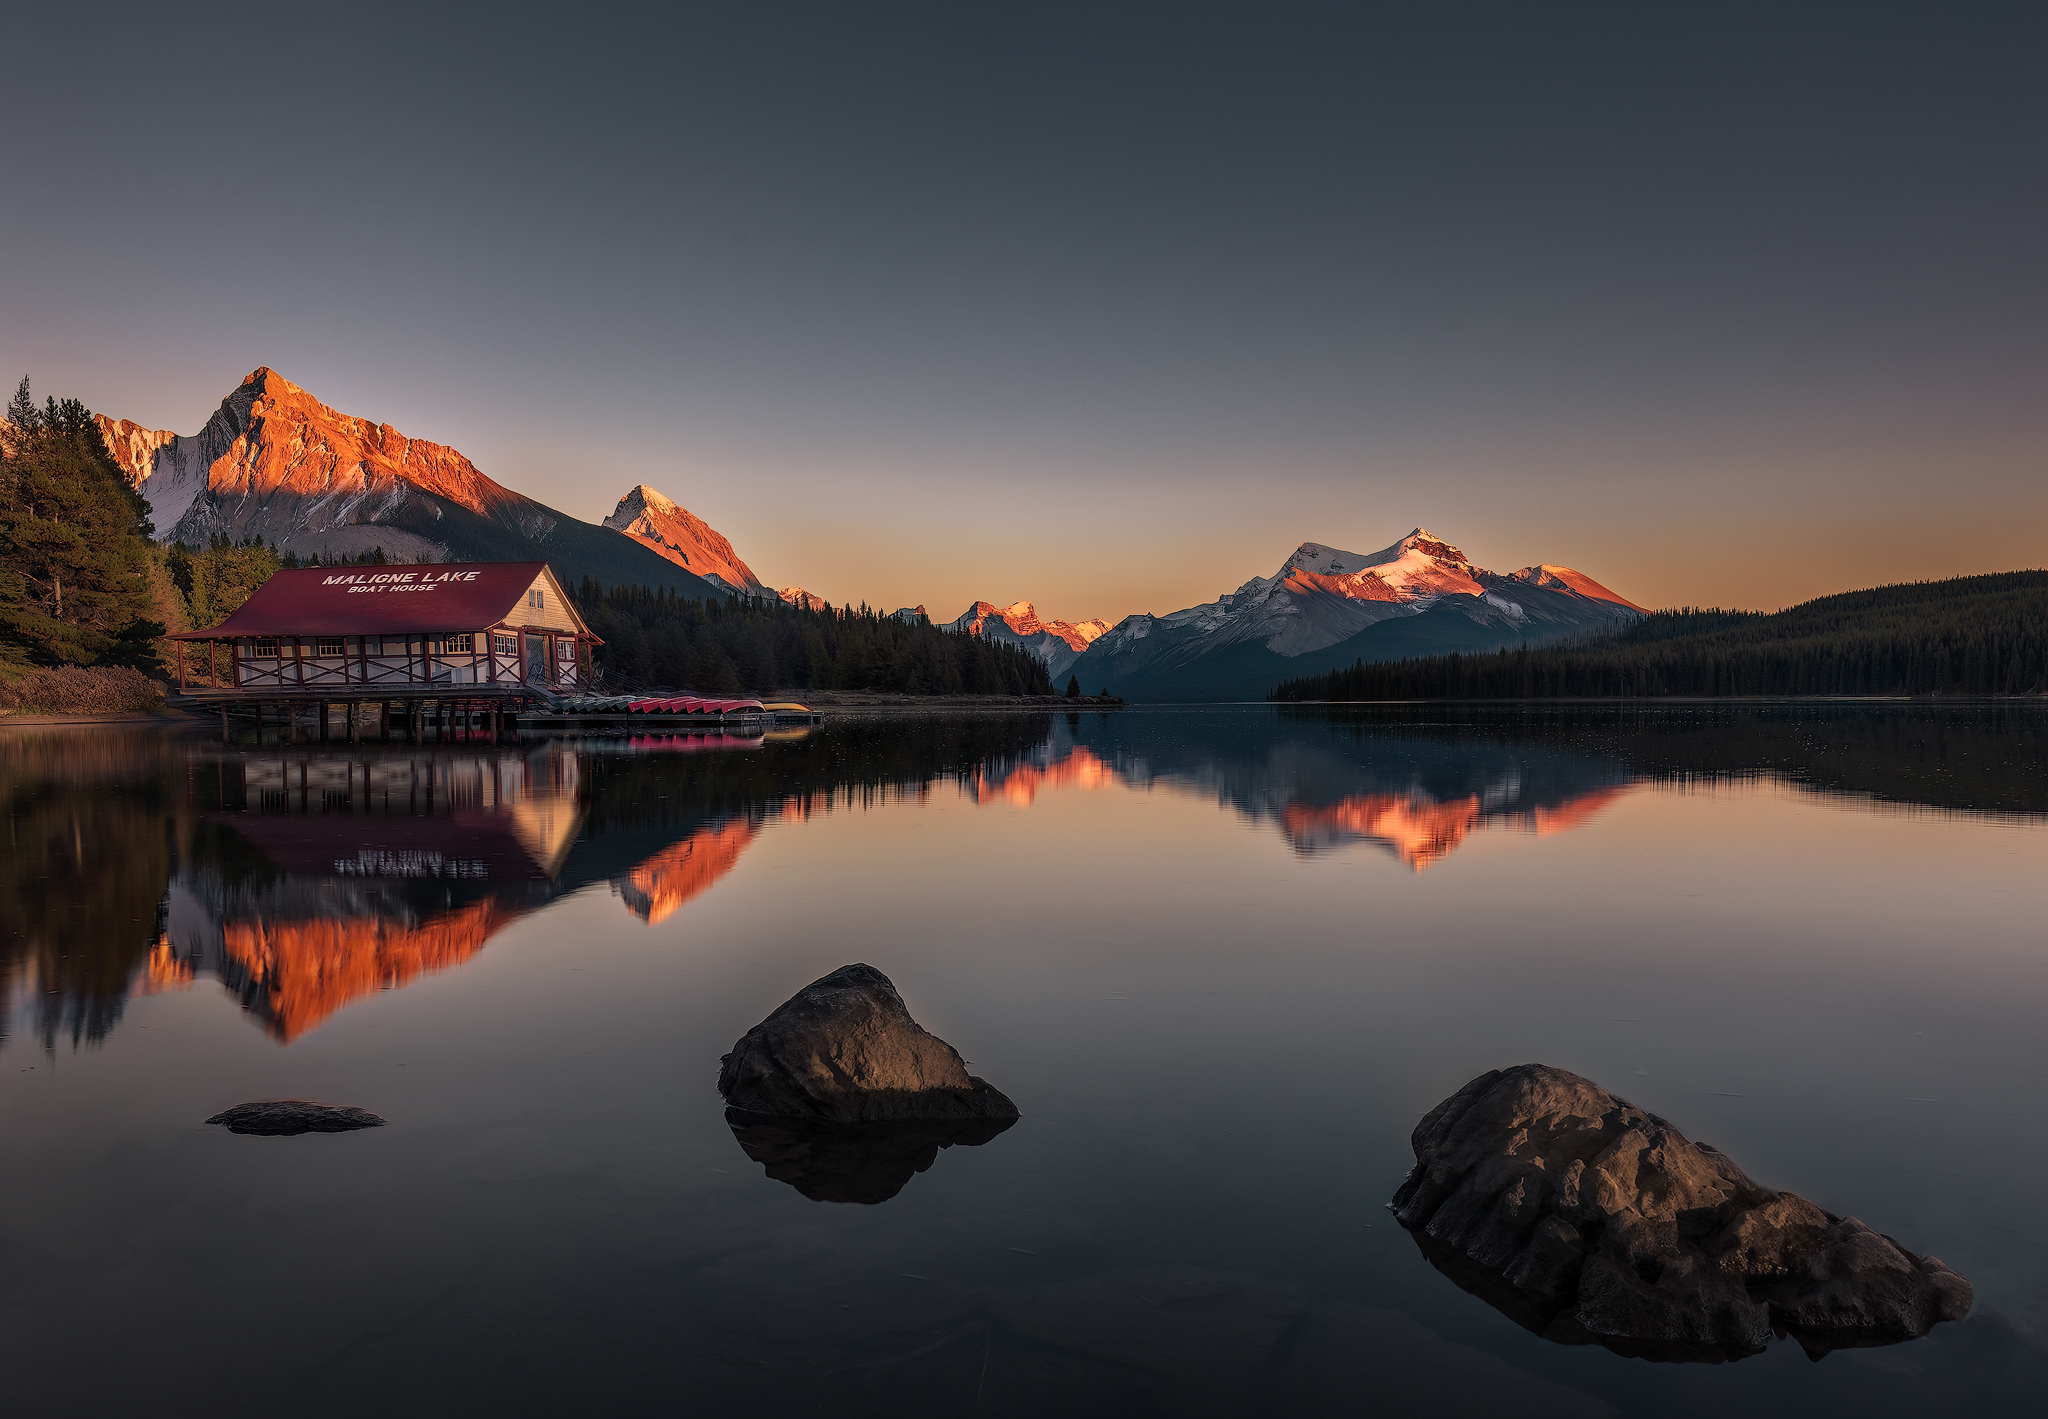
{"points": [[505, 645], [537, 599], [264, 647], [327, 645], [463, 644]]}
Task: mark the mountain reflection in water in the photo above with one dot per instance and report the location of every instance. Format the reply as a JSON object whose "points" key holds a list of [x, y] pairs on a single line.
{"points": [[303, 878]]}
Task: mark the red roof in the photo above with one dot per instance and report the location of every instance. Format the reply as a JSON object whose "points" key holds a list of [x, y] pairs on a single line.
{"points": [[350, 601]]}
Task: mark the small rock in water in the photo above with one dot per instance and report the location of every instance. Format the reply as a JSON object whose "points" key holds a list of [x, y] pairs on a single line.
{"points": [[844, 1049], [1589, 1221], [284, 1117]]}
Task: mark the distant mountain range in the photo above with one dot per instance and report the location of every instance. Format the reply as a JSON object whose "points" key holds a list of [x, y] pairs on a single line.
{"points": [[275, 462], [1326, 608], [1057, 643]]}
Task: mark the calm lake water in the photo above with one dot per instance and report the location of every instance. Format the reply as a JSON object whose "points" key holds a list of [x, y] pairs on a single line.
{"points": [[1221, 958]]}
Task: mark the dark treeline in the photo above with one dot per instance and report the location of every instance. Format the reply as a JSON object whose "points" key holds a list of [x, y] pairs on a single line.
{"points": [[1979, 635], [1987, 758], [854, 759], [653, 638]]}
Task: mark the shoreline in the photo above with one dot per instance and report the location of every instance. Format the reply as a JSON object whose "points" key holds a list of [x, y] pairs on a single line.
{"points": [[833, 702], [865, 700], [36, 719]]}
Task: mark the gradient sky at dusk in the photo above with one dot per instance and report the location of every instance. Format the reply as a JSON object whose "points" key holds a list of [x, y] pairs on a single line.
{"points": [[1105, 306]]}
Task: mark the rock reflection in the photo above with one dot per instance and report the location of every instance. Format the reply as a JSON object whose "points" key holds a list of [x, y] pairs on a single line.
{"points": [[852, 1162]]}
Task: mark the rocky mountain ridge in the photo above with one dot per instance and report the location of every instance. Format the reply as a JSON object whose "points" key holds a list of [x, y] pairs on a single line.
{"points": [[1326, 607], [676, 533], [275, 462], [1057, 643]]}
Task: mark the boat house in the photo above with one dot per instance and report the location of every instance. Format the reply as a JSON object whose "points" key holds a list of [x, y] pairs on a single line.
{"points": [[478, 631]]}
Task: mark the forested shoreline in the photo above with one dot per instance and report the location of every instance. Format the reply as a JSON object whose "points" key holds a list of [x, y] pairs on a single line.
{"points": [[87, 598], [1977, 635], [655, 639]]}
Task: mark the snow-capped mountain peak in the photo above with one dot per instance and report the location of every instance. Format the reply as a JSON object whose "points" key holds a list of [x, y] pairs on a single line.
{"points": [[1022, 618], [684, 538], [1057, 643], [1325, 600], [1420, 564]]}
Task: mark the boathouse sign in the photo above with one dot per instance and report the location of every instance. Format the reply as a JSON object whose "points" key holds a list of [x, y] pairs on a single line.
{"points": [[356, 583], [338, 633]]}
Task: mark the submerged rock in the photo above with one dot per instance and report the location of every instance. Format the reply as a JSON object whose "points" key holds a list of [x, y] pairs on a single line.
{"points": [[1590, 1221], [844, 1049], [284, 1117], [853, 1162]]}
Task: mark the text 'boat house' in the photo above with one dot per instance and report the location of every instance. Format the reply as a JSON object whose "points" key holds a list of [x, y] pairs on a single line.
{"points": [[480, 631]]}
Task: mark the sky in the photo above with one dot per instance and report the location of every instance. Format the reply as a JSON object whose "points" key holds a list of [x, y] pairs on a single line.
{"points": [[1107, 307]]}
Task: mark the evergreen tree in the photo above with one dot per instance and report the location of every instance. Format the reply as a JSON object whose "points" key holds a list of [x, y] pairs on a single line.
{"points": [[21, 410], [1073, 687], [74, 543], [225, 575]]}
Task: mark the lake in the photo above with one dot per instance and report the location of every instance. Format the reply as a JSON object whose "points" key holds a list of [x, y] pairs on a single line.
{"points": [[1222, 958]]}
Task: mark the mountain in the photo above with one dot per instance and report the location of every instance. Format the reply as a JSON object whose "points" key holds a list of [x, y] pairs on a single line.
{"points": [[275, 462], [803, 600], [1057, 643], [1326, 607], [684, 538], [1974, 635]]}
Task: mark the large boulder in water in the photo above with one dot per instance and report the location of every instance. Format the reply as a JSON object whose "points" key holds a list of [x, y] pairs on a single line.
{"points": [[1591, 1221], [844, 1049]]}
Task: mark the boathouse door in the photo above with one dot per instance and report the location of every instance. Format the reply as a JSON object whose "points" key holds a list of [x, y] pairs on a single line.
{"points": [[536, 660]]}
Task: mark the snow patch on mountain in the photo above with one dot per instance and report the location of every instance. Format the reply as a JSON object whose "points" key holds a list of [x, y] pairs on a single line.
{"points": [[1323, 596], [1544, 574]]}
